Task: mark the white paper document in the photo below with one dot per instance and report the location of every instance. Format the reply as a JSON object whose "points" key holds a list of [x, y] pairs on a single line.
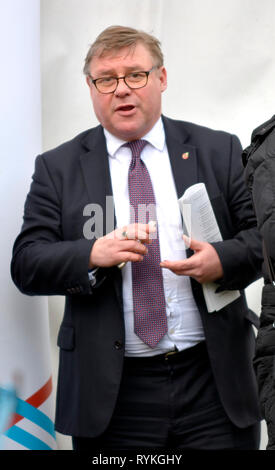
{"points": [[200, 223]]}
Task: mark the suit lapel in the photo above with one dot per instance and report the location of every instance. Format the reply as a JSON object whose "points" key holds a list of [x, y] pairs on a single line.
{"points": [[96, 173], [183, 156], [95, 167]]}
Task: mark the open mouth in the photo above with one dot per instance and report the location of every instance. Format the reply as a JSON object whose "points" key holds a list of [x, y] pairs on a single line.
{"points": [[125, 108]]}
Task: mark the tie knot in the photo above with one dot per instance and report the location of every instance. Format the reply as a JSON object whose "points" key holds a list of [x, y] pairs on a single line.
{"points": [[137, 146]]}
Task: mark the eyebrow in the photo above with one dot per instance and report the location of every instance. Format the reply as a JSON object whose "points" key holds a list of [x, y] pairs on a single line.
{"points": [[112, 72]]}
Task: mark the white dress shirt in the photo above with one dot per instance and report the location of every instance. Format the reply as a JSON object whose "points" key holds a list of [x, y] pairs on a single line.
{"points": [[184, 322]]}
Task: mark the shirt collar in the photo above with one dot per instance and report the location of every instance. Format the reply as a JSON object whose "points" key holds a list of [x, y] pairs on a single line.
{"points": [[155, 137]]}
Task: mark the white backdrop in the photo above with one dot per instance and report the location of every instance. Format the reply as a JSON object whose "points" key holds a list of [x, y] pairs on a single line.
{"points": [[25, 354], [220, 61]]}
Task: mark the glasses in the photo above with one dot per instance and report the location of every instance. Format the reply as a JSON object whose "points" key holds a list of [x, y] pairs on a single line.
{"points": [[133, 80]]}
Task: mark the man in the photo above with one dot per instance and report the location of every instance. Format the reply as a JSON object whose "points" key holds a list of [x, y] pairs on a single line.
{"points": [[142, 361]]}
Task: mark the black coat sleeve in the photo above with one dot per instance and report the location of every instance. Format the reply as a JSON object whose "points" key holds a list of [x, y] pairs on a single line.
{"points": [[264, 361], [43, 263], [260, 178]]}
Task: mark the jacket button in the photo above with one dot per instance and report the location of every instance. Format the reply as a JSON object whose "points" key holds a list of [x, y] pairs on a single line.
{"points": [[118, 345]]}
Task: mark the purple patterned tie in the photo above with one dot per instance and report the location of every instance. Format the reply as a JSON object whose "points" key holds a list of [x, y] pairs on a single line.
{"points": [[148, 293]]}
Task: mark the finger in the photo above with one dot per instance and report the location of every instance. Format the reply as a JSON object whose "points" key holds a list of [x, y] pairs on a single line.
{"points": [[185, 268], [186, 265], [126, 256], [187, 240], [174, 269], [135, 231], [152, 224], [117, 234], [181, 269], [192, 243], [142, 232], [128, 232], [133, 246], [172, 266]]}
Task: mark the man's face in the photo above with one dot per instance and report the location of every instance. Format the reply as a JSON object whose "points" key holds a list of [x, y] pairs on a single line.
{"points": [[128, 114]]}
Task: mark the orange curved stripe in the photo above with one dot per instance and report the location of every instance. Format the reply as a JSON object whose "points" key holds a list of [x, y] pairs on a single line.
{"points": [[35, 400]]}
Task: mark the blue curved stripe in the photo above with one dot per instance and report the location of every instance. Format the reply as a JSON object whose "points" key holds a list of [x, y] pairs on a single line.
{"points": [[36, 416], [8, 404], [26, 439]]}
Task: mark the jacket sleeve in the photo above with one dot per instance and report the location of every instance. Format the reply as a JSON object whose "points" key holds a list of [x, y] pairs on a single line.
{"points": [[260, 178], [43, 263], [240, 254], [264, 361]]}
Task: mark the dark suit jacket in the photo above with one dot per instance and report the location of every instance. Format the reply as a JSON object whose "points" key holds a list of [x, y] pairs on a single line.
{"points": [[51, 257]]}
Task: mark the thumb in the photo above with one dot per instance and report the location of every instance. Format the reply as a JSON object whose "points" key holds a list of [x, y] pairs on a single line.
{"points": [[192, 243]]}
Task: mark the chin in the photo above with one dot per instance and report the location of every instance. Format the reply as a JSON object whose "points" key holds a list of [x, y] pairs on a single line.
{"points": [[131, 132], [128, 134]]}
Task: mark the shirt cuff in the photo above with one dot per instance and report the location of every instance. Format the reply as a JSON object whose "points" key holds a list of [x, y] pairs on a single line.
{"points": [[92, 276]]}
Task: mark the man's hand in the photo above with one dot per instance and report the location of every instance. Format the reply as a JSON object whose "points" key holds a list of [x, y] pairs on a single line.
{"points": [[121, 245], [204, 265]]}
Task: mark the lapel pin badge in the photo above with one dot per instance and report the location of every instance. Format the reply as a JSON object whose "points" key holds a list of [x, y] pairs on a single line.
{"points": [[185, 156]]}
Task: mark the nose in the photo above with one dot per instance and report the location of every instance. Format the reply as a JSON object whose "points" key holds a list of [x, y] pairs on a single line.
{"points": [[122, 89]]}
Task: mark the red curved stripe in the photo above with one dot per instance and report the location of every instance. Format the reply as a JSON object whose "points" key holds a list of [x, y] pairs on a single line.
{"points": [[35, 400]]}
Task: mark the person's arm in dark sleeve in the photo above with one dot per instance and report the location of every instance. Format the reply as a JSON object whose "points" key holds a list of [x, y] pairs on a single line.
{"points": [[264, 361], [43, 263]]}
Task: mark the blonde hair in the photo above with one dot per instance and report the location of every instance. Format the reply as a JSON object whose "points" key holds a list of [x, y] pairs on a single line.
{"points": [[114, 38]]}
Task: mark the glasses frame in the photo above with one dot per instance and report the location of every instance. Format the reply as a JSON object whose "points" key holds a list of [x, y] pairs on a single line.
{"points": [[124, 78]]}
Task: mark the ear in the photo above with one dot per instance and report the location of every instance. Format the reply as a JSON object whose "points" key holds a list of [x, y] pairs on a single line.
{"points": [[90, 85], [163, 78]]}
